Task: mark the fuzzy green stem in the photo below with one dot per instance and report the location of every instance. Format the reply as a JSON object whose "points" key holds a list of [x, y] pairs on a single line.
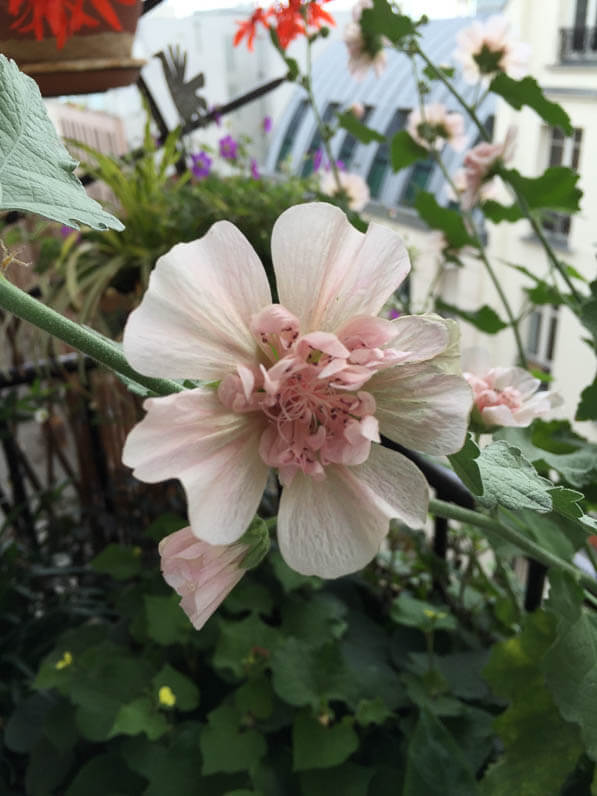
{"points": [[453, 512], [85, 340]]}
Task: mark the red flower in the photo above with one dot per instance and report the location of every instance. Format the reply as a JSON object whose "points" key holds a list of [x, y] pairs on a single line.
{"points": [[249, 27], [62, 17], [316, 16]]}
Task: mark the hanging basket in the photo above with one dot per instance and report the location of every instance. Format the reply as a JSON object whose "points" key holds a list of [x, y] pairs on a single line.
{"points": [[93, 59]]}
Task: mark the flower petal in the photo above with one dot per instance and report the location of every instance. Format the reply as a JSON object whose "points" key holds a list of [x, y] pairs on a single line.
{"points": [[193, 321], [327, 271], [330, 527], [398, 482], [423, 337], [422, 408], [214, 453]]}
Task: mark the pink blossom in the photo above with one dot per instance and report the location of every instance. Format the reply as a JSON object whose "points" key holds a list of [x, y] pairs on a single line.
{"points": [[353, 185], [201, 573], [357, 109], [479, 163], [305, 386], [505, 396], [362, 54], [435, 125], [487, 47]]}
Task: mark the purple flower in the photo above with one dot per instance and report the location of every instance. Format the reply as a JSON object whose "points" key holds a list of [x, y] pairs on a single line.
{"points": [[393, 314], [340, 165], [217, 116], [267, 124], [254, 169], [317, 158], [201, 165], [228, 148]]}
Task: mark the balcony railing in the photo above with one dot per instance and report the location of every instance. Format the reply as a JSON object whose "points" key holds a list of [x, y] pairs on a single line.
{"points": [[578, 45]]}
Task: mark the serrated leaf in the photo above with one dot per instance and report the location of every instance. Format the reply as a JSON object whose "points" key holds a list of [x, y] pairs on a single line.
{"points": [[303, 675], [140, 715], [570, 664], [167, 623], [408, 610], [587, 407], [555, 189], [465, 465], [241, 644], [184, 689], [485, 318], [314, 620], [382, 20], [432, 750], [119, 561], [315, 745], [36, 171], [288, 578], [349, 121], [404, 151], [450, 222], [535, 736], [497, 212], [511, 481], [227, 746], [528, 92], [372, 711]]}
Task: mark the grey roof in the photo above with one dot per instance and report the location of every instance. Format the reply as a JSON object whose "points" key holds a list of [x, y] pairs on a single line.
{"points": [[394, 90]]}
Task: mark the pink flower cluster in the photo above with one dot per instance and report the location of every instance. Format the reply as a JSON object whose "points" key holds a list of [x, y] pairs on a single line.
{"points": [[477, 179], [433, 126], [487, 47]]}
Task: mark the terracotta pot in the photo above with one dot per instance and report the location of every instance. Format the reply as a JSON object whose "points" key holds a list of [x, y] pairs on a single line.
{"points": [[95, 59]]}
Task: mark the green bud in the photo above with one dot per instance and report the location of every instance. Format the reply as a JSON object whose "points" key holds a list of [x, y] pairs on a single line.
{"points": [[256, 537]]}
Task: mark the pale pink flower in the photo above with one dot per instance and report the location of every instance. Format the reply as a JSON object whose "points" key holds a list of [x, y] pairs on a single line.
{"points": [[201, 573], [487, 47], [357, 109], [505, 396], [479, 162], [435, 126], [353, 185], [305, 386], [363, 55]]}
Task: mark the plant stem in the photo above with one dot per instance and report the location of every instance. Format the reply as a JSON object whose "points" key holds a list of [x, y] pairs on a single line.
{"points": [[319, 121], [453, 512], [85, 340]]}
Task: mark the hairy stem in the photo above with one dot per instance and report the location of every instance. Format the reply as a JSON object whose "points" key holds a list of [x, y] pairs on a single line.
{"points": [[453, 512], [85, 340]]}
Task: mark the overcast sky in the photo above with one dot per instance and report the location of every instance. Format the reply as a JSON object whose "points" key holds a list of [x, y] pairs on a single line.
{"points": [[434, 8]]}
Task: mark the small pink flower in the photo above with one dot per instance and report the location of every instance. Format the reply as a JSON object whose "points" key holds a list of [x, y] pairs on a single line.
{"points": [[486, 48], [305, 386], [479, 163], [201, 573], [435, 126], [255, 174], [353, 185], [357, 109], [363, 54], [228, 147], [505, 396]]}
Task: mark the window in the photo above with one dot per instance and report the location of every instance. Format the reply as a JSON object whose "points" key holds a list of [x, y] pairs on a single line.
{"points": [[418, 179], [580, 41], [563, 151], [542, 328], [381, 161], [327, 117], [290, 134], [349, 143]]}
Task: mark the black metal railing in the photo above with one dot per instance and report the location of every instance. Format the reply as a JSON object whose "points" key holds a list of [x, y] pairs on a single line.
{"points": [[578, 45]]}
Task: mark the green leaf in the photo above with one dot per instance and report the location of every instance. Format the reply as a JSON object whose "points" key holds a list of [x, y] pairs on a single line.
{"points": [[183, 688], [465, 465], [555, 189], [536, 738], [497, 212], [433, 750], [167, 623], [119, 561], [36, 171], [105, 774], [372, 711], [543, 293], [255, 697], [315, 745], [243, 644], [47, 768], [450, 222], [404, 151], [407, 610], [165, 524], [249, 596], [382, 20], [288, 578], [347, 780], [587, 407], [140, 715], [172, 770], [25, 725], [226, 746], [365, 134], [485, 318], [314, 620], [511, 481], [303, 675], [570, 664], [528, 92]]}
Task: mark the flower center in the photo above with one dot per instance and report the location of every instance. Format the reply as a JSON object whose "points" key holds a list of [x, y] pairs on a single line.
{"points": [[487, 394], [309, 390]]}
